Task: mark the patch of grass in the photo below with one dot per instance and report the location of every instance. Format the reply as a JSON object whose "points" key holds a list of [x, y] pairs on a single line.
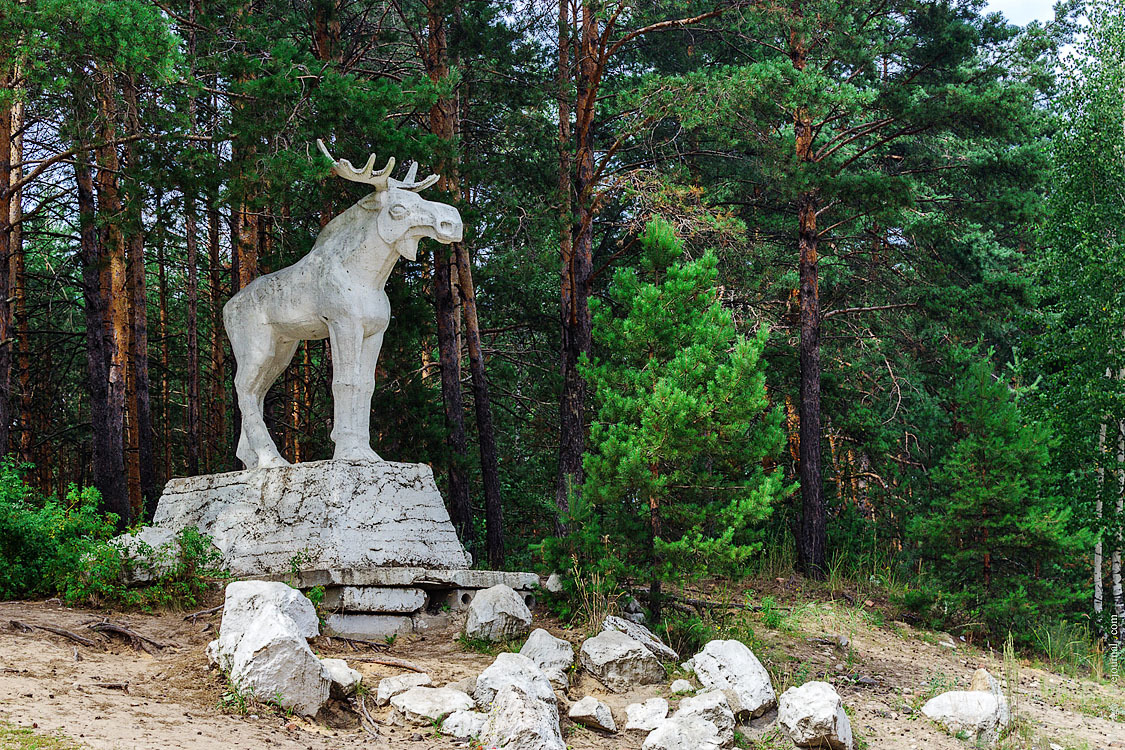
{"points": [[489, 648], [24, 738], [771, 616], [936, 684]]}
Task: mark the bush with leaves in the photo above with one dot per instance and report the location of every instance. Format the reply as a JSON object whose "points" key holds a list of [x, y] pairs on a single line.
{"points": [[50, 546]]}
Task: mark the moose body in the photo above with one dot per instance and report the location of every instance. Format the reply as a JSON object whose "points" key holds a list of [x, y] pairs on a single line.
{"points": [[334, 292]]}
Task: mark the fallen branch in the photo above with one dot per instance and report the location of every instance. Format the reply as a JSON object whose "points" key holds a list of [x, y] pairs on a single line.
{"points": [[135, 639], [387, 661], [373, 730], [122, 686], [362, 642], [202, 612], [23, 626]]}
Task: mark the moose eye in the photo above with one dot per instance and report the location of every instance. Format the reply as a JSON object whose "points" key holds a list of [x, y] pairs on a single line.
{"points": [[398, 211]]}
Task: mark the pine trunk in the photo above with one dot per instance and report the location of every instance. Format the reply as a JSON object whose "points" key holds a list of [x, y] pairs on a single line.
{"points": [[18, 272], [194, 433], [5, 255], [445, 298], [109, 464], [218, 400], [565, 198], [577, 268]]}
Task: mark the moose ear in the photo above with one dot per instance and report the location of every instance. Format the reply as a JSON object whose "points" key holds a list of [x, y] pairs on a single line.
{"points": [[372, 202]]}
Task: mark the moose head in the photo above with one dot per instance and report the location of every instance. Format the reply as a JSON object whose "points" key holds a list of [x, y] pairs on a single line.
{"points": [[402, 216]]}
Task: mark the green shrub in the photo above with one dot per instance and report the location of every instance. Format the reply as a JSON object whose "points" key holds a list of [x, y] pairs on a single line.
{"points": [[48, 547], [42, 539]]}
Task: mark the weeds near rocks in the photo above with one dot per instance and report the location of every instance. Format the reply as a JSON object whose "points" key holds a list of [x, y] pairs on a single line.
{"points": [[598, 597]]}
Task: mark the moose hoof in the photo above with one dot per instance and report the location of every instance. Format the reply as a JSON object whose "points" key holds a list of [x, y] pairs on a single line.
{"points": [[356, 454]]}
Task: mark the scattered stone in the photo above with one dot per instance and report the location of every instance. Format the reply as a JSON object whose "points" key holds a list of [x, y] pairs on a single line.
{"points": [[591, 712], [642, 635], [633, 607], [389, 687], [637, 617], [345, 680], [464, 723], [273, 661], [512, 669], [520, 722], [263, 646], [984, 681], [646, 716], [496, 614], [682, 686], [731, 666], [684, 733], [465, 684], [554, 583], [983, 716], [712, 707], [552, 655], [813, 716], [422, 706], [619, 662]]}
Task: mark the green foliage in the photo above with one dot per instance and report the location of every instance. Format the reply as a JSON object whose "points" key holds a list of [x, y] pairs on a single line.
{"points": [[995, 537], [42, 540], [676, 471], [50, 547]]}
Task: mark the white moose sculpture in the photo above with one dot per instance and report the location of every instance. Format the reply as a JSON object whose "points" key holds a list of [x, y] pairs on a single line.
{"points": [[336, 291]]}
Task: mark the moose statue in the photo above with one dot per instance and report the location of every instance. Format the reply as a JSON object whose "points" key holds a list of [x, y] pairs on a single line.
{"points": [[336, 291]]}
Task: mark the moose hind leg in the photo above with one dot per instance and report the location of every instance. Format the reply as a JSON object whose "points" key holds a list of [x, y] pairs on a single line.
{"points": [[259, 364]]}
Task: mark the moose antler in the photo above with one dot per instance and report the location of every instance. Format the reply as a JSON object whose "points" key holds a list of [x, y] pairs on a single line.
{"points": [[381, 180]]}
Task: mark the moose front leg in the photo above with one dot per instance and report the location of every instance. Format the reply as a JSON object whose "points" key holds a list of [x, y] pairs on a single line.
{"points": [[353, 382]]}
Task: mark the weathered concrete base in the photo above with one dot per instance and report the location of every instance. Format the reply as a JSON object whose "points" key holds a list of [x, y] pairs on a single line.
{"points": [[323, 515]]}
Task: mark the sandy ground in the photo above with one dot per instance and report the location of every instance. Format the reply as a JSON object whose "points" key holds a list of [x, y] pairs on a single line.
{"points": [[116, 697]]}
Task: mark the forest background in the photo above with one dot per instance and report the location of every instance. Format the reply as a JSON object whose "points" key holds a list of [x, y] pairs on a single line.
{"points": [[907, 214]]}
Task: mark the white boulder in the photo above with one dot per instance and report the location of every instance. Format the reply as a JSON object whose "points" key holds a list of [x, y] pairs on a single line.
{"points": [[684, 733], [813, 716], [245, 601], [982, 715], [642, 635], [682, 686], [421, 706], [518, 721], [496, 614], [512, 669], [731, 666], [552, 655], [619, 662], [712, 707], [273, 662], [389, 687], [554, 583], [591, 712], [464, 723], [646, 716], [345, 680]]}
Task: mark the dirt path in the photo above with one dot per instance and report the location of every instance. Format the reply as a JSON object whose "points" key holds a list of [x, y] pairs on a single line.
{"points": [[117, 698]]}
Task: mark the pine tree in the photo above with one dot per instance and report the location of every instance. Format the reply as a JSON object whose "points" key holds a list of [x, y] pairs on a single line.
{"points": [[996, 537], [677, 476]]}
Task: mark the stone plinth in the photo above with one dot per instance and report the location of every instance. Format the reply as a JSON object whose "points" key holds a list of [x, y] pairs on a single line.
{"points": [[355, 516]]}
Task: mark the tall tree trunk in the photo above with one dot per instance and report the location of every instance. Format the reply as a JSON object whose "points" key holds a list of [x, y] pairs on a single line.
{"points": [[1099, 515], [194, 436], [6, 79], [162, 302], [565, 198], [105, 422], [19, 293], [577, 269], [445, 300], [811, 534], [218, 401], [114, 276], [1119, 523], [140, 402], [489, 465]]}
